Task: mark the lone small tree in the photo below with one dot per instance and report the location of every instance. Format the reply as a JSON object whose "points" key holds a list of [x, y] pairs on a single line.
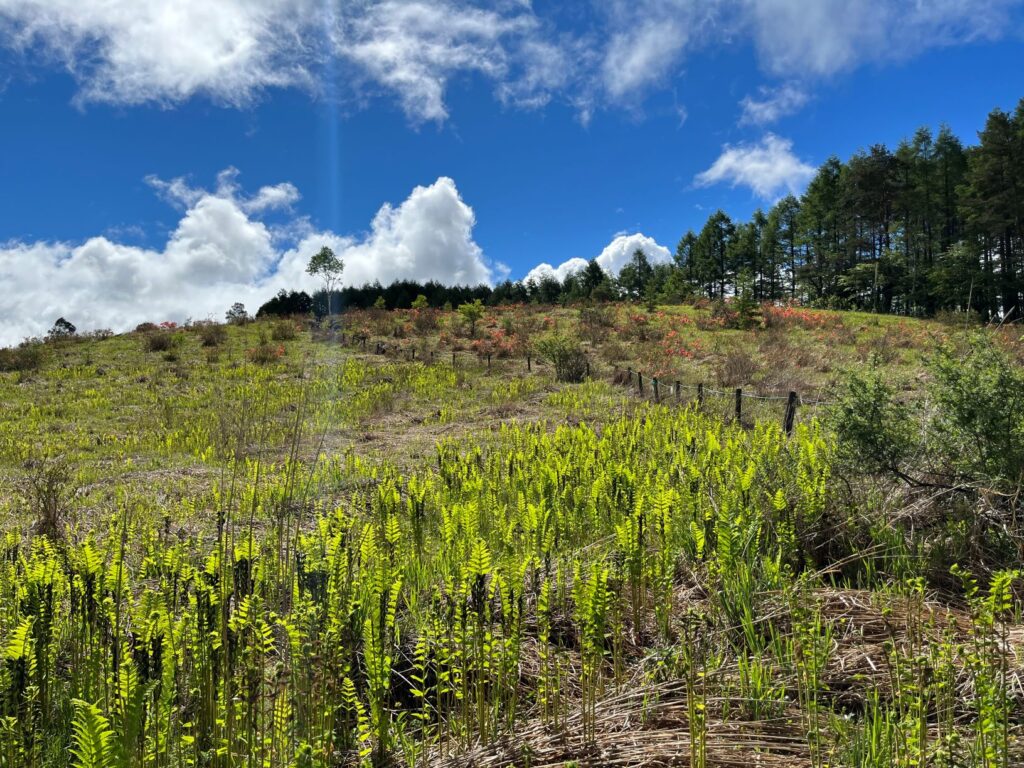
{"points": [[237, 314], [62, 329], [472, 312], [328, 268]]}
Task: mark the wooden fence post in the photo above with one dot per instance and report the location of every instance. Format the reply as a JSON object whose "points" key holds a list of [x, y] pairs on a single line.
{"points": [[700, 394], [528, 364], [790, 413], [488, 362], [640, 382], [739, 404], [453, 358], [677, 390], [657, 396], [588, 369]]}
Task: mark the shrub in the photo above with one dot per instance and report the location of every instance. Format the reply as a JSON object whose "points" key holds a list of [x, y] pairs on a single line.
{"points": [[954, 318], [595, 322], [160, 341], [737, 368], [472, 312], [265, 352], [640, 328], [972, 436], [283, 330], [424, 319], [874, 431], [27, 356], [145, 327], [212, 334], [48, 487], [979, 418], [789, 316], [565, 355]]}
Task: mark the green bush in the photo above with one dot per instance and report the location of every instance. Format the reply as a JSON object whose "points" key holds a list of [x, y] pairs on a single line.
{"points": [[283, 330], [565, 355], [971, 434], [875, 431], [978, 425]]}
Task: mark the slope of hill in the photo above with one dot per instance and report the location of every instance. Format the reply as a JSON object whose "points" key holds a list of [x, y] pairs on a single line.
{"points": [[399, 542]]}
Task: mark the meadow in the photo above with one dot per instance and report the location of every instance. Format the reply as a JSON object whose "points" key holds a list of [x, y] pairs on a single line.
{"points": [[390, 539]]}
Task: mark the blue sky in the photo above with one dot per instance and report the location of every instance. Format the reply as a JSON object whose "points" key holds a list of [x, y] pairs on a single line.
{"points": [[162, 165]]}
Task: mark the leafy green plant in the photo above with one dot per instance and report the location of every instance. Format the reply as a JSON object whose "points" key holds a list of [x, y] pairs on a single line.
{"points": [[566, 356]]}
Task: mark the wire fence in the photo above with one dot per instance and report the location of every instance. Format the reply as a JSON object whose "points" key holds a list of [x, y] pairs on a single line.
{"points": [[731, 403], [736, 404]]}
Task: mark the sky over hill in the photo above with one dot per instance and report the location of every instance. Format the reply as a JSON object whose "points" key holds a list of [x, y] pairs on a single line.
{"points": [[163, 161]]}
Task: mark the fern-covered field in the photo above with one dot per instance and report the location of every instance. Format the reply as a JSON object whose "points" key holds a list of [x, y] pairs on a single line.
{"points": [[266, 545]]}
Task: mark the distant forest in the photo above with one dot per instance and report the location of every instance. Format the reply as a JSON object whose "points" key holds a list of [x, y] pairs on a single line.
{"points": [[932, 225]]}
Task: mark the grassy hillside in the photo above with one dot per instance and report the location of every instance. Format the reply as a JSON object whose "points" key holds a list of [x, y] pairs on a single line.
{"points": [[271, 545]]}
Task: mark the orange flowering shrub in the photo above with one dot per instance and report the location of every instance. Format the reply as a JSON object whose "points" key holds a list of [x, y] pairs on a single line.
{"points": [[789, 316]]}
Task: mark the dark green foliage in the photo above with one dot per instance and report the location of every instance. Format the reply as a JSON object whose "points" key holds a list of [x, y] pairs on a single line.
{"points": [[930, 226], [402, 293], [286, 303], [636, 275], [62, 329]]}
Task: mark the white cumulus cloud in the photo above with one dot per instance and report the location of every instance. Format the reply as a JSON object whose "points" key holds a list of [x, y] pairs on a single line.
{"points": [[622, 247], [768, 167], [612, 259], [136, 51], [562, 271], [221, 252]]}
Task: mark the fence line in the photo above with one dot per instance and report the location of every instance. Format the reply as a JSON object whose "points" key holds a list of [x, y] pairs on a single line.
{"points": [[792, 399]]}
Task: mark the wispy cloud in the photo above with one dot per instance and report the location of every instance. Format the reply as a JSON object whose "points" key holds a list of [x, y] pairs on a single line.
{"points": [[771, 104], [232, 51], [821, 38]]}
